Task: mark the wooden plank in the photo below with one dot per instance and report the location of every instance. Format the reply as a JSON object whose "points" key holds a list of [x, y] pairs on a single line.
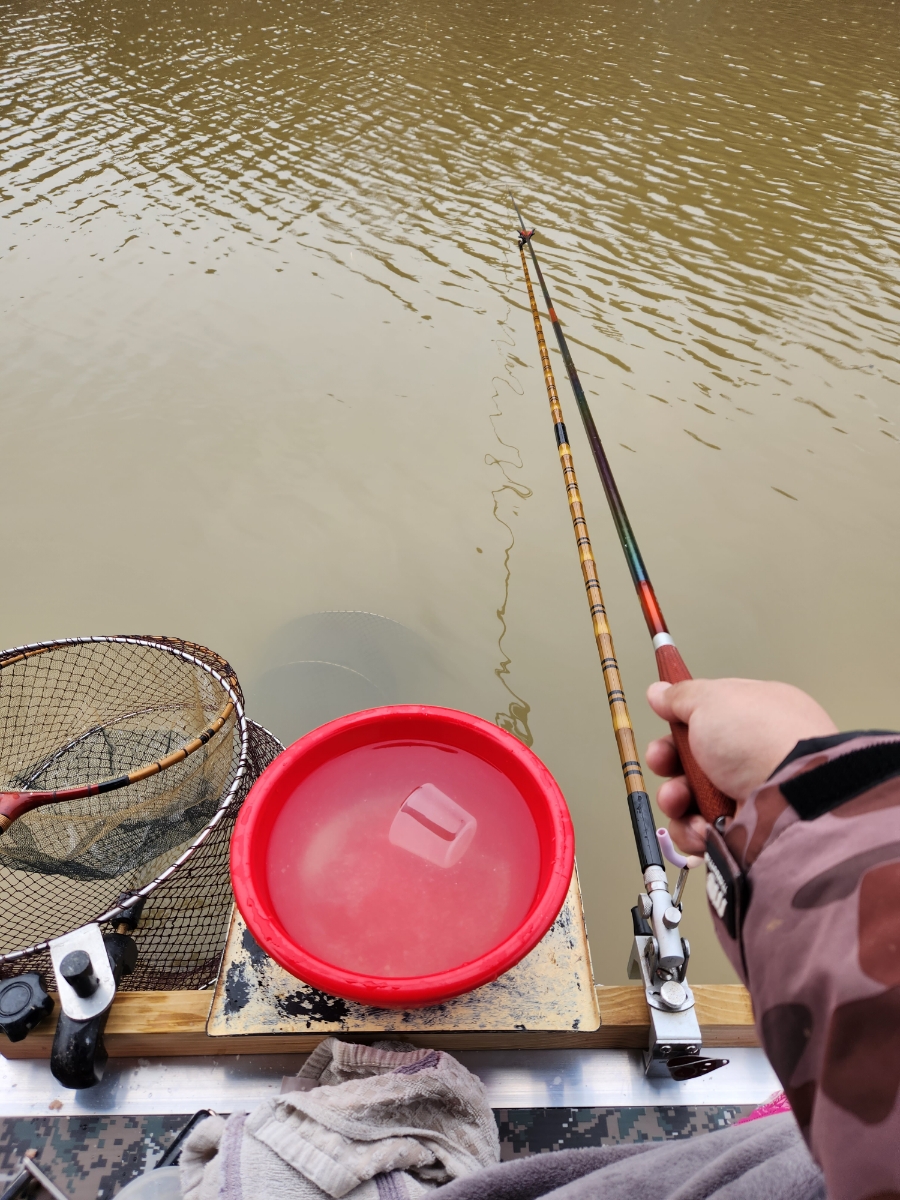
{"points": [[140, 1023], [724, 1005], [724, 1012], [720, 1008], [550, 990], [166, 1024]]}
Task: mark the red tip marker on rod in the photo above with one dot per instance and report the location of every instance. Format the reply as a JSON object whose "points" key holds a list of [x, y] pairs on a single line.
{"points": [[669, 663]]}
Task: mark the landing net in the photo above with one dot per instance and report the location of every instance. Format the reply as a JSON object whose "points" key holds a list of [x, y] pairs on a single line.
{"points": [[85, 711]]}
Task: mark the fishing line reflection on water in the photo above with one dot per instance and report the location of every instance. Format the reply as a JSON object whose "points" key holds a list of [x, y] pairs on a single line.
{"points": [[515, 719]]}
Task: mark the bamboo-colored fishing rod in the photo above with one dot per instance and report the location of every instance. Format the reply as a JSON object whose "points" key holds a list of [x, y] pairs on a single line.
{"points": [[638, 800], [670, 665]]}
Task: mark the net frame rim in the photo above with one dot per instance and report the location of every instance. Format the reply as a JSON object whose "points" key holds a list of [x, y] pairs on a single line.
{"points": [[225, 803]]}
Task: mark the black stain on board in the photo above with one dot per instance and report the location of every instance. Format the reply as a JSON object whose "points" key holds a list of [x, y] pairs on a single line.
{"points": [[312, 1004], [252, 948], [237, 989]]}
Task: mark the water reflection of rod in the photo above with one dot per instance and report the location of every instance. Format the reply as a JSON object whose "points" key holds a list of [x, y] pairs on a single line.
{"points": [[671, 666]]}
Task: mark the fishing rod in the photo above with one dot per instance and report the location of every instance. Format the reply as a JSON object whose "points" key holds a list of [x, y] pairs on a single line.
{"points": [[669, 663], [660, 955]]}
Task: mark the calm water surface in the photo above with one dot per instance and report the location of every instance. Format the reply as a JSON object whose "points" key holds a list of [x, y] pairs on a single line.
{"points": [[265, 354]]}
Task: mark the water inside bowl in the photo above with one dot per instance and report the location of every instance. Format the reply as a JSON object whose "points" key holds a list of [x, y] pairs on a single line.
{"points": [[403, 859]]}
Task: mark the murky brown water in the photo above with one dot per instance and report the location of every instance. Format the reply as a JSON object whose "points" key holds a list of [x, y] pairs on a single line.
{"points": [[264, 353]]}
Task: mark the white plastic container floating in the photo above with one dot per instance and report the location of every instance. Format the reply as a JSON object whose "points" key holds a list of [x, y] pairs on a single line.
{"points": [[433, 826]]}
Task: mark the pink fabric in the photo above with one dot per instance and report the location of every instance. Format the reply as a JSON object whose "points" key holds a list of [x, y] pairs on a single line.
{"points": [[776, 1103]]}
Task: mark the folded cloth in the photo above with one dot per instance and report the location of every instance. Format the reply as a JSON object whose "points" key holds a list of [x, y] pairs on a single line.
{"points": [[388, 1121], [765, 1160]]}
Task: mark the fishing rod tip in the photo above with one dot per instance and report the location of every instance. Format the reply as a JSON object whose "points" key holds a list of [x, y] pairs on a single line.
{"points": [[524, 235]]}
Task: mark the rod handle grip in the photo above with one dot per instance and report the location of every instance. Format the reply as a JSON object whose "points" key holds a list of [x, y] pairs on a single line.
{"points": [[15, 804], [711, 802], [644, 827]]}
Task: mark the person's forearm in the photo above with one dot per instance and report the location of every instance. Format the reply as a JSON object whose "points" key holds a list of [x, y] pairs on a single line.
{"points": [[819, 947]]}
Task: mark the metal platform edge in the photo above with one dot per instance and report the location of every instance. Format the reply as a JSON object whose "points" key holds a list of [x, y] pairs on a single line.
{"points": [[514, 1079]]}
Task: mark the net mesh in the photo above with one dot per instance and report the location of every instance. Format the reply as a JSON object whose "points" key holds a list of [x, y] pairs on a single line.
{"points": [[91, 710]]}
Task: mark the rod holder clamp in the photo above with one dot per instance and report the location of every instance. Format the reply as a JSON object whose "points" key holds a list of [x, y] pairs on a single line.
{"points": [[78, 971], [78, 999]]}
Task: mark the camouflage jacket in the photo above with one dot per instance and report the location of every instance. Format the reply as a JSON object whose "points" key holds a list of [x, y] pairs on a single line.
{"points": [[805, 887]]}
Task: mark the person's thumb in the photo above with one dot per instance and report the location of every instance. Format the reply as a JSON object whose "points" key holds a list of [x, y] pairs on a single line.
{"points": [[657, 698], [674, 701]]}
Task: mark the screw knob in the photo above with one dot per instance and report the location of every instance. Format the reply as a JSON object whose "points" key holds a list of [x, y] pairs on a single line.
{"points": [[78, 971], [672, 917], [672, 994], [24, 1003]]}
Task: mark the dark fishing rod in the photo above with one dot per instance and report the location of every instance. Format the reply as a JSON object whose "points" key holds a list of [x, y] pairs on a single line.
{"points": [[669, 663], [659, 955]]}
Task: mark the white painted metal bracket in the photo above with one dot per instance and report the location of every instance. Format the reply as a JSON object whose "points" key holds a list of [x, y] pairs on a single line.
{"points": [[89, 939]]}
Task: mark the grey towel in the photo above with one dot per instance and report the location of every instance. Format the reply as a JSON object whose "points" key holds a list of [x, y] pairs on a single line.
{"points": [[760, 1160], [387, 1120]]}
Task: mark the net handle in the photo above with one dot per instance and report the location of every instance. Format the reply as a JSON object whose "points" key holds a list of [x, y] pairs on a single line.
{"points": [[15, 804]]}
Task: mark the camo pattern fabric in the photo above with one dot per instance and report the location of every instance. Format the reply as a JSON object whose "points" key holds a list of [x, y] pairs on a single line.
{"points": [[94, 1157], [527, 1131], [819, 845]]}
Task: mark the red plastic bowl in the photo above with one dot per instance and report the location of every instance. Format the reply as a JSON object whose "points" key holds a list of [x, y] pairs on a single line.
{"points": [[457, 731]]}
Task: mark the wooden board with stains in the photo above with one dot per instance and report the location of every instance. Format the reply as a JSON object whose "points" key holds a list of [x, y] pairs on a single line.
{"points": [[551, 989], [170, 1024]]}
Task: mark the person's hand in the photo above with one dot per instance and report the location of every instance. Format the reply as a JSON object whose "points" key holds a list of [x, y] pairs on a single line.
{"points": [[739, 731]]}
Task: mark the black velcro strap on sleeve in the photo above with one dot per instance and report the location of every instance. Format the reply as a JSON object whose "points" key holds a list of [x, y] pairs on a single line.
{"points": [[727, 888], [825, 788], [815, 745]]}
